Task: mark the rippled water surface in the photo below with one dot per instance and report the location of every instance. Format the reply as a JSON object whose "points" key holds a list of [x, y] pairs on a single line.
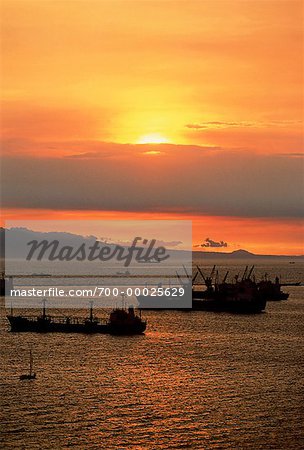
{"points": [[195, 380]]}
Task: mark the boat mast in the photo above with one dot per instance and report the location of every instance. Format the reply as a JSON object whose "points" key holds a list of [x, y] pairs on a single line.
{"points": [[245, 273], [250, 272], [123, 305], [91, 311], [43, 308]]}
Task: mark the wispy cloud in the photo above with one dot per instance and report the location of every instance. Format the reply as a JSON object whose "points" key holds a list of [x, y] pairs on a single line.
{"points": [[88, 155], [292, 155], [240, 124], [217, 124]]}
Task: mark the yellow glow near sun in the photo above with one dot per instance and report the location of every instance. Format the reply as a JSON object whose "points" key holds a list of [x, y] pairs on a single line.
{"points": [[152, 153], [153, 138]]}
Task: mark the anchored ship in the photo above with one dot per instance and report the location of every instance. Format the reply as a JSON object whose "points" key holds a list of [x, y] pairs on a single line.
{"points": [[272, 291], [121, 322], [242, 296]]}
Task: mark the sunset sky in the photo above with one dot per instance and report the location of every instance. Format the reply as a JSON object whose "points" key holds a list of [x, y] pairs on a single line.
{"points": [[157, 109]]}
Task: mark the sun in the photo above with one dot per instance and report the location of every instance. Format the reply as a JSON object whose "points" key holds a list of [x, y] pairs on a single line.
{"points": [[153, 138]]}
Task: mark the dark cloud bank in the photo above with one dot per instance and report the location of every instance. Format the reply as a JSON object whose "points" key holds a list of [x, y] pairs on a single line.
{"points": [[181, 179]]}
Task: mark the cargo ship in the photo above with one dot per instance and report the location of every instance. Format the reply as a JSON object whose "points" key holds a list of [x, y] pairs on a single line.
{"points": [[120, 322], [272, 290], [242, 296]]}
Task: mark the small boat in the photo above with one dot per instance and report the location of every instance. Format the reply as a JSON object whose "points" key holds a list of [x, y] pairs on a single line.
{"points": [[126, 273], [31, 375], [151, 260]]}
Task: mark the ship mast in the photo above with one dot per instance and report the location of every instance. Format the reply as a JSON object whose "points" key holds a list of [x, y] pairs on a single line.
{"points": [[43, 308], [91, 311], [250, 272]]}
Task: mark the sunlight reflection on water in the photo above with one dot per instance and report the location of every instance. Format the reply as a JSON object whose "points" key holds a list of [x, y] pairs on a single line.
{"points": [[195, 380]]}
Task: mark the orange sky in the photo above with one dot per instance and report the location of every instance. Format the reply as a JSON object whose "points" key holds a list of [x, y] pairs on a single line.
{"points": [[283, 236], [219, 81]]}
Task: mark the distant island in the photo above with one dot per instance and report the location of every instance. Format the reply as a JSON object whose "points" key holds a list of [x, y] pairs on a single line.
{"points": [[243, 254], [20, 236]]}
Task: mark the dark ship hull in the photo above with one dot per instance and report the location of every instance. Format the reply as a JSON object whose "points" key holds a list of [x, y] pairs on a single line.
{"points": [[125, 330], [232, 305], [201, 301]]}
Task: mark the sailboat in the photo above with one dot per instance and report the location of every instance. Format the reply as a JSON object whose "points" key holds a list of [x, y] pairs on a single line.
{"points": [[31, 375]]}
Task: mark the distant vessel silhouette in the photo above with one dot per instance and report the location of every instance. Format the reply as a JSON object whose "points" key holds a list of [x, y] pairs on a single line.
{"points": [[6, 284], [242, 296], [31, 375], [121, 321], [272, 291]]}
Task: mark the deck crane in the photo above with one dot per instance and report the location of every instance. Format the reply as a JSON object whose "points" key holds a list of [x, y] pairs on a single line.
{"points": [[245, 273], [250, 272], [225, 277]]}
